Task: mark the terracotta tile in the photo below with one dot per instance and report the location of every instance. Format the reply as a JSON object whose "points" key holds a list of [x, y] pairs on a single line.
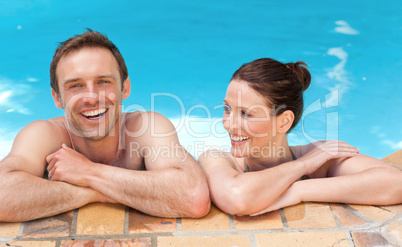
{"points": [[395, 230], [32, 243], [134, 242], [143, 223], [101, 219], [295, 239], [268, 221], [394, 158], [55, 226], [215, 220], [347, 216], [310, 216], [375, 213], [393, 208], [9, 230], [369, 239], [210, 241]]}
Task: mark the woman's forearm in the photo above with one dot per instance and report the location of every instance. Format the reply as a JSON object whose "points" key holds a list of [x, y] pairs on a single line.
{"points": [[376, 186]]}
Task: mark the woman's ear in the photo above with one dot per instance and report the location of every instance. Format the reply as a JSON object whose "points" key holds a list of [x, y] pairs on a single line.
{"points": [[57, 100], [126, 88], [284, 121]]}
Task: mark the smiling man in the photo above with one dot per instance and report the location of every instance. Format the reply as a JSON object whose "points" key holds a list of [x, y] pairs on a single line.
{"points": [[88, 154]]}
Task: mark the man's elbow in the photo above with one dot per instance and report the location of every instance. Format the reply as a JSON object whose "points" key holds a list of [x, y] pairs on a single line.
{"points": [[7, 215], [199, 202]]}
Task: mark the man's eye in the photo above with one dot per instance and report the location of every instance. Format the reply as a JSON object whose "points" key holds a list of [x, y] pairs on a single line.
{"points": [[103, 81], [75, 85]]}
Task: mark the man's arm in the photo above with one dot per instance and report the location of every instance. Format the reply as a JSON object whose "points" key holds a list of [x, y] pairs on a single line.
{"points": [[173, 184], [24, 194]]}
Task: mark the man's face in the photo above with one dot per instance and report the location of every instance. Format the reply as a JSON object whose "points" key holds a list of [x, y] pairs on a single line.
{"points": [[90, 91]]}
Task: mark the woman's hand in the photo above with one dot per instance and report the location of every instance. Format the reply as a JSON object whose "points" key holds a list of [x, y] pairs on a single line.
{"points": [[325, 151]]}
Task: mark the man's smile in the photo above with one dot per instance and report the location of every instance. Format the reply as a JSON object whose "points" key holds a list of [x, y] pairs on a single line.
{"points": [[94, 114]]}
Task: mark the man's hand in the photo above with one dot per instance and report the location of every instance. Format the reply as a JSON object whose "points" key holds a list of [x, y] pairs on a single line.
{"points": [[69, 166]]}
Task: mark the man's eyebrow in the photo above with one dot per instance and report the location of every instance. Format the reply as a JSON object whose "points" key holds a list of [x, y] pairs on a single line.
{"points": [[71, 80], [107, 76]]}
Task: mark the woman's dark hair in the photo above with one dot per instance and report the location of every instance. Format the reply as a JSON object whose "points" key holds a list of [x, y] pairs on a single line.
{"points": [[87, 39], [282, 85]]}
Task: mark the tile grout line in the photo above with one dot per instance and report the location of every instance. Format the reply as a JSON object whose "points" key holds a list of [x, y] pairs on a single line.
{"points": [[284, 220], [73, 228], [339, 225], [232, 224], [362, 215], [58, 243], [154, 242], [251, 238], [337, 221], [178, 225], [349, 238], [126, 220], [21, 230]]}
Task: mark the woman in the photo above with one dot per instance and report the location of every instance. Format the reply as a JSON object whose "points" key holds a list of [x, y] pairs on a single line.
{"points": [[263, 102]]}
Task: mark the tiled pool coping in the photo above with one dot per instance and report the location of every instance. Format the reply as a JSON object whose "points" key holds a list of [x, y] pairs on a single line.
{"points": [[306, 224]]}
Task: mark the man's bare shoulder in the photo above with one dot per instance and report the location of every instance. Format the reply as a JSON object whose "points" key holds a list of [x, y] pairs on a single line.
{"points": [[144, 122], [41, 135], [34, 142]]}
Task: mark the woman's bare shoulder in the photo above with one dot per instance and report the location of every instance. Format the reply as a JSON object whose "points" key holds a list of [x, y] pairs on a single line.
{"points": [[214, 158]]}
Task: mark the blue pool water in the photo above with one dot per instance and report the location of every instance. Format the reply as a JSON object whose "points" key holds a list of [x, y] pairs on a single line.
{"points": [[181, 55]]}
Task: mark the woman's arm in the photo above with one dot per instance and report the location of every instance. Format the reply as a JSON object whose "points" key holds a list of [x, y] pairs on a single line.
{"points": [[359, 180], [241, 193]]}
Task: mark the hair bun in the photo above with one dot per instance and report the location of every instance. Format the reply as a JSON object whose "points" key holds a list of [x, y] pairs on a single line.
{"points": [[301, 73]]}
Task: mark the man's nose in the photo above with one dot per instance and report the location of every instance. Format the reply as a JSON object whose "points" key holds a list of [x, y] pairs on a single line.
{"points": [[91, 94]]}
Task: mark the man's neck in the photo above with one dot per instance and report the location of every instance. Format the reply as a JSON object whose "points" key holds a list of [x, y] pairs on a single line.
{"points": [[99, 151]]}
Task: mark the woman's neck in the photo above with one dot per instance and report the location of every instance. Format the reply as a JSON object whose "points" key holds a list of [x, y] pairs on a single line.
{"points": [[275, 153]]}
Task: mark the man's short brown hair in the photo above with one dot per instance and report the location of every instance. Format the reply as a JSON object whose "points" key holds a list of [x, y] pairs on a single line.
{"points": [[87, 39]]}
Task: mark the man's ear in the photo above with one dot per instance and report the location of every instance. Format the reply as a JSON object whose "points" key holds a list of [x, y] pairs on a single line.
{"points": [[57, 100], [126, 88], [284, 121]]}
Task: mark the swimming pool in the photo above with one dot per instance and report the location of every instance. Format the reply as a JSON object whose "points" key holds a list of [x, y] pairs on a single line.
{"points": [[181, 55]]}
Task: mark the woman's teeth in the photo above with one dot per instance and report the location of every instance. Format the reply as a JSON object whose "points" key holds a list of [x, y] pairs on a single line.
{"points": [[239, 138]]}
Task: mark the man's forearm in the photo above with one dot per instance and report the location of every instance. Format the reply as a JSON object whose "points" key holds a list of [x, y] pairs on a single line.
{"points": [[170, 192], [26, 197]]}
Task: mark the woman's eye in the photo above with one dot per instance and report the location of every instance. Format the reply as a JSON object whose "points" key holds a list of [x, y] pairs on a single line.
{"points": [[226, 109], [244, 113]]}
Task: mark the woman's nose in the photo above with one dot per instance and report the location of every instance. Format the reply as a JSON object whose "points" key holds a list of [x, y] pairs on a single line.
{"points": [[230, 122]]}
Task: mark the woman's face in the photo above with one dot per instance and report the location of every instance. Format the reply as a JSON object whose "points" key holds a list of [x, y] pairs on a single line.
{"points": [[248, 120]]}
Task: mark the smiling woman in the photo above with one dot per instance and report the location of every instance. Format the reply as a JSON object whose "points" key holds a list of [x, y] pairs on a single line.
{"points": [[263, 102]]}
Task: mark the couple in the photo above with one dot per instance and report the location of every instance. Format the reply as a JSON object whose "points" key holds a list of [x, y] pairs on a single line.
{"points": [[85, 154]]}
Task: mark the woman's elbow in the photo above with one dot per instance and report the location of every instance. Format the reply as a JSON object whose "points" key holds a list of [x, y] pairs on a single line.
{"points": [[234, 202]]}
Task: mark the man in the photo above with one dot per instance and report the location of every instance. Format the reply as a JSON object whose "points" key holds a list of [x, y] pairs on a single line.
{"points": [[96, 153]]}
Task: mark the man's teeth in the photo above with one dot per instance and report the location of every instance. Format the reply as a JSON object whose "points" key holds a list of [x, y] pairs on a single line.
{"points": [[94, 112], [239, 138]]}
